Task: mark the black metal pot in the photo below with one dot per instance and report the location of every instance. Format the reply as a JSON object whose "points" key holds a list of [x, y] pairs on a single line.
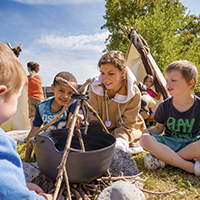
{"points": [[81, 167]]}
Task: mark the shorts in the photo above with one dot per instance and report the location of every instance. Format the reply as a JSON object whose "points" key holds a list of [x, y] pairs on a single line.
{"points": [[175, 144], [32, 104]]}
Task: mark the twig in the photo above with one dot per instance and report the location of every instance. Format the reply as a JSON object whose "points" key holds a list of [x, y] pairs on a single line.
{"points": [[81, 140], [76, 193], [61, 191], [67, 183], [77, 150], [118, 177], [170, 191], [82, 193], [66, 151]]}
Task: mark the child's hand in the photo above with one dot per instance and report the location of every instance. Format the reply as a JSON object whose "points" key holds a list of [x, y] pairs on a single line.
{"points": [[34, 187], [79, 120]]}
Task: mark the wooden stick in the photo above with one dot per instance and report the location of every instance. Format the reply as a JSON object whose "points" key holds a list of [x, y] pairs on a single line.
{"points": [[91, 109], [79, 132], [66, 151], [67, 183], [76, 193], [151, 192], [61, 191], [81, 140], [118, 177], [82, 193]]}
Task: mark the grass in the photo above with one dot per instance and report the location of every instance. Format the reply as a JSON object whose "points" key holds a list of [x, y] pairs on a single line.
{"points": [[162, 180]]}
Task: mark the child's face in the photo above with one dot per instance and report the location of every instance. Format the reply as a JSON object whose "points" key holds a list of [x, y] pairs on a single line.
{"points": [[8, 106], [176, 84], [111, 76], [148, 82], [62, 93]]}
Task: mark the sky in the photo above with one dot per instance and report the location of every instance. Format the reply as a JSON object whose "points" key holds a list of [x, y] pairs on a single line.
{"points": [[61, 35]]}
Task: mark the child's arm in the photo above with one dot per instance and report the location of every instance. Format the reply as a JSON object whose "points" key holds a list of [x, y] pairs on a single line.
{"points": [[157, 129], [34, 187], [33, 130], [28, 152]]}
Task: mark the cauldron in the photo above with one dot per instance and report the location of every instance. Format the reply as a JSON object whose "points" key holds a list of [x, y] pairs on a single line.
{"points": [[81, 167]]}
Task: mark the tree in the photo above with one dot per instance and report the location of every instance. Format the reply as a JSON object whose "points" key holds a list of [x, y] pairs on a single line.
{"points": [[168, 30]]}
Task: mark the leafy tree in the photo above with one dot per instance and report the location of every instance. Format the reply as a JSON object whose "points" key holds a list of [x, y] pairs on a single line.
{"points": [[168, 30]]}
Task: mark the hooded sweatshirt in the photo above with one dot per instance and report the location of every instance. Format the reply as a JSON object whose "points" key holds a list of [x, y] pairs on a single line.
{"points": [[122, 110]]}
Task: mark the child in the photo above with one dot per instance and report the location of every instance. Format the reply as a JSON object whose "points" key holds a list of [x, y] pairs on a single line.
{"points": [[116, 98], [149, 82], [35, 91], [46, 110], [12, 179], [179, 116], [146, 101]]}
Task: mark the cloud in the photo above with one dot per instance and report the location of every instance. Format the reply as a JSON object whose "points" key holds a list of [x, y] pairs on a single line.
{"points": [[55, 2], [76, 54], [81, 42]]}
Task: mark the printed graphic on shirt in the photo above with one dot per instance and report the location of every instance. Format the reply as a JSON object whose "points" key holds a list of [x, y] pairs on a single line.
{"points": [[180, 128]]}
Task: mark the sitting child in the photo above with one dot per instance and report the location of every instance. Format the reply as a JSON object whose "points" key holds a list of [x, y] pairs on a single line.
{"points": [[149, 82], [46, 110], [146, 101], [178, 117], [12, 179]]}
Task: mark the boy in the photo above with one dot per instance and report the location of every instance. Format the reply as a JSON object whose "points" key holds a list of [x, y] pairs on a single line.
{"points": [[12, 179], [46, 110], [179, 115], [35, 91]]}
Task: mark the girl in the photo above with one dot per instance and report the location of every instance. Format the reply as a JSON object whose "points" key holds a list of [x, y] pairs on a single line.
{"points": [[116, 98], [149, 82]]}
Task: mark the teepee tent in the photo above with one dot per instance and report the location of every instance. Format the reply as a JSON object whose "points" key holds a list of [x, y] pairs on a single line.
{"points": [[20, 120], [141, 63]]}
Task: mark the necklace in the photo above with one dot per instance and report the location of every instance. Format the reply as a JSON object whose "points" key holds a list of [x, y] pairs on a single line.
{"points": [[108, 122]]}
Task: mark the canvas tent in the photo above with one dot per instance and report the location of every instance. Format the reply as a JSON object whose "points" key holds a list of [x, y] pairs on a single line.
{"points": [[20, 120], [141, 63]]}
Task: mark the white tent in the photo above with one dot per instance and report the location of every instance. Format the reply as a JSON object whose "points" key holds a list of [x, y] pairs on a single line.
{"points": [[141, 63], [20, 120]]}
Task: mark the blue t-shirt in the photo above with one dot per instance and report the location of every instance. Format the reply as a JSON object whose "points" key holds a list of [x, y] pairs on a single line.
{"points": [[179, 124], [43, 115], [12, 179]]}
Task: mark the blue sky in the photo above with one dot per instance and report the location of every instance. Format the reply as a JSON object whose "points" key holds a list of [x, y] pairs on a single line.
{"points": [[61, 35]]}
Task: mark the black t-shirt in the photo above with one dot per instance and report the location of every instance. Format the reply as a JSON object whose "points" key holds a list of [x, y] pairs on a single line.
{"points": [[179, 124]]}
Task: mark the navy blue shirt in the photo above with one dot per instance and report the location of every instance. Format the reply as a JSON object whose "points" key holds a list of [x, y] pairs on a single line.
{"points": [[179, 124]]}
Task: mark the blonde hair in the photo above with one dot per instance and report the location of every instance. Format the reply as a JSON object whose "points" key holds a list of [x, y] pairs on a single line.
{"points": [[187, 69], [12, 73]]}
